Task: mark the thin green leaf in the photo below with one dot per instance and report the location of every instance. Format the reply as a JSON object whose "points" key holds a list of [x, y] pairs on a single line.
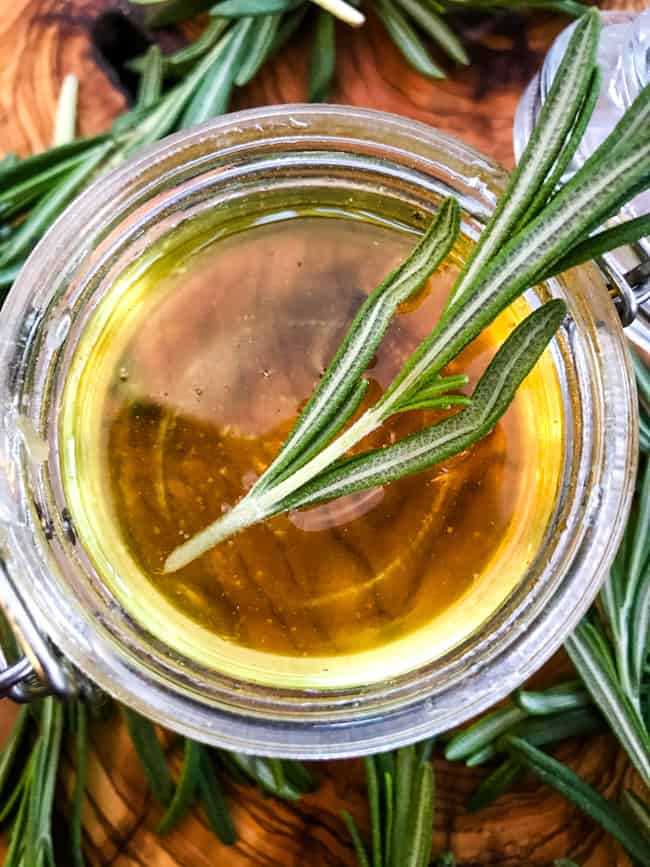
{"points": [[483, 732], [492, 396], [404, 779], [151, 81], [447, 859], [362, 857], [571, 786], [406, 39], [389, 818], [340, 383], [213, 94], [185, 791], [602, 683], [323, 57], [15, 198], [640, 629], [260, 45], [638, 810], [609, 239], [51, 206], [436, 27], [569, 149], [561, 697], [81, 769], [11, 749], [372, 783], [180, 62], [17, 171], [444, 402], [244, 8], [299, 777], [151, 755], [420, 829], [557, 116], [289, 25], [214, 802], [65, 123], [493, 786], [564, 862]]}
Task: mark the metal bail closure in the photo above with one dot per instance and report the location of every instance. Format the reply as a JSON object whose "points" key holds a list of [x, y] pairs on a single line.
{"points": [[628, 273], [40, 671]]}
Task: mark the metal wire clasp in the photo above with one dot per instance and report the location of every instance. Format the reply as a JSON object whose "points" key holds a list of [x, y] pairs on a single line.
{"points": [[631, 287], [38, 673]]}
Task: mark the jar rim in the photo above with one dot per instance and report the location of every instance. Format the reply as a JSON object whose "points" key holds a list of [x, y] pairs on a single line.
{"points": [[83, 235]]}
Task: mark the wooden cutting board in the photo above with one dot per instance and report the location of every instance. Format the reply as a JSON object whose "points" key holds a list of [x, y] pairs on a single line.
{"points": [[41, 41]]}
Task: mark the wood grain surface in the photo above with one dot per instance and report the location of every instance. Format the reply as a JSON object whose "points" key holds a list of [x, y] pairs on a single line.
{"points": [[41, 41]]}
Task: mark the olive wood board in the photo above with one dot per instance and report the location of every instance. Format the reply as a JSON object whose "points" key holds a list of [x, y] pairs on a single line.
{"points": [[41, 41]]}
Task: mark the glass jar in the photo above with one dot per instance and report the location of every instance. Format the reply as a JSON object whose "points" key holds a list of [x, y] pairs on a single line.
{"points": [[624, 62], [52, 593]]}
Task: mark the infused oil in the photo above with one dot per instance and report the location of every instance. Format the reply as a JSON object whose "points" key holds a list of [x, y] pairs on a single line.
{"points": [[189, 376]]}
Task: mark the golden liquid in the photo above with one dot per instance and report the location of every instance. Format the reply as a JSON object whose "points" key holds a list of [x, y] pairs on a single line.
{"points": [[187, 382]]}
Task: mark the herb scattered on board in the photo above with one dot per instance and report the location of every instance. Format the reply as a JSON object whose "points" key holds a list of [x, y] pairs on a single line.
{"points": [[29, 767], [539, 224], [420, 29]]}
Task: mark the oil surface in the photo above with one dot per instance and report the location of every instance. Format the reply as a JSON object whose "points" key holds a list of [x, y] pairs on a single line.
{"points": [[190, 380]]}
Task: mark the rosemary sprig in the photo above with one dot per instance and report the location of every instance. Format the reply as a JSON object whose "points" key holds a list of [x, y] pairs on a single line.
{"points": [[535, 227], [401, 791], [415, 26], [30, 761]]}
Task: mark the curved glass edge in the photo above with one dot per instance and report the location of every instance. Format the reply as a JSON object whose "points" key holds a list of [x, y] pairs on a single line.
{"points": [[387, 726]]}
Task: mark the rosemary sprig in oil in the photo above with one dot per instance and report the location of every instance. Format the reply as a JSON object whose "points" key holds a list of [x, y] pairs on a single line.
{"points": [[535, 227]]}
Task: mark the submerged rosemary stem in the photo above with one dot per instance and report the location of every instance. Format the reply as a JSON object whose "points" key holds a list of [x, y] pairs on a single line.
{"points": [[254, 507]]}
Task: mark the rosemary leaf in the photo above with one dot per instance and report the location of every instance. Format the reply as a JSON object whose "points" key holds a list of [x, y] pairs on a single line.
{"points": [[436, 27], [372, 783], [288, 26], [66, 112], [260, 46], [213, 93], [389, 813], [359, 849], [151, 81], [180, 62], [610, 239], [11, 749], [214, 802], [80, 715], [569, 149], [638, 810], [420, 830], [492, 396], [151, 755], [405, 770], [185, 791], [482, 732], [406, 39], [21, 171], [323, 58], [51, 206], [557, 116], [567, 783], [587, 654], [494, 785], [244, 8], [340, 383], [561, 697], [564, 862]]}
